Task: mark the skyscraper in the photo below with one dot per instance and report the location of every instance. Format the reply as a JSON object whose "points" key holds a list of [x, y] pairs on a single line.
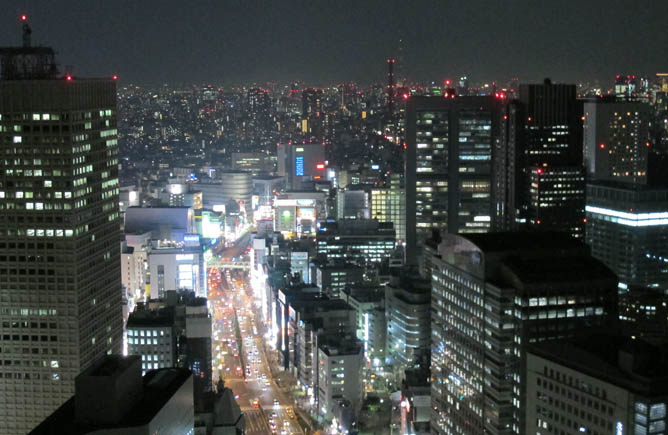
{"points": [[492, 295], [449, 148], [544, 149], [60, 278], [627, 229], [616, 140]]}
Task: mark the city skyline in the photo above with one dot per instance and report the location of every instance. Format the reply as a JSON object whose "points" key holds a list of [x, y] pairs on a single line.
{"points": [[325, 43]]}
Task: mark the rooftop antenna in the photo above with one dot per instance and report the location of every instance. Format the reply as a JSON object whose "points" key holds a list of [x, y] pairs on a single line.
{"points": [[27, 31]]}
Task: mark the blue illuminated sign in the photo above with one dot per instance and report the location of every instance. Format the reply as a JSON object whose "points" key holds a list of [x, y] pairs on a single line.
{"points": [[299, 166]]}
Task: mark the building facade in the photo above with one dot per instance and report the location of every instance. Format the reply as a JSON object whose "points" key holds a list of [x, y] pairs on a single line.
{"points": [[543, 160], [449, 148], [599, 385], [60, 277], [616, 140], [492, 294], [408, 315], [627, 229]]}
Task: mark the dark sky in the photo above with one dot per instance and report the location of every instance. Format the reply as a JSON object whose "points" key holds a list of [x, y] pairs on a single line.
{"points": [[330, 41]]}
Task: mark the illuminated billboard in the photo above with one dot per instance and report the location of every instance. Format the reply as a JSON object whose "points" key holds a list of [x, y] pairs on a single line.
{"points": [[299, 166]]}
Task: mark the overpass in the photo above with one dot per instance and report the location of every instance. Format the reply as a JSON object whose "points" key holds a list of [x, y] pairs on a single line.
{"points": [[224, 263]]}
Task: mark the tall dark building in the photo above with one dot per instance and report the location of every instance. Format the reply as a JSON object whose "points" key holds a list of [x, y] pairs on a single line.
{"points": [[543, 158], [450, 145], [60, 278], [617, 140], [493, 295], [312, 114], [258, 104]]}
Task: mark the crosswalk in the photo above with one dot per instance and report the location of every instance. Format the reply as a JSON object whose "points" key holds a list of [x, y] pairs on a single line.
{"points": [[256, 422]]}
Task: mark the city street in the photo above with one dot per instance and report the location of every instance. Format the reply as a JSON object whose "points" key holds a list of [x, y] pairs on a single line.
{"points": [[239, 357]]}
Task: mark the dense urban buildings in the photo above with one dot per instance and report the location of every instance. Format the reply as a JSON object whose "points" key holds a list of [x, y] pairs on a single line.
{"points": [[60, 285], [445, 251], [492, 295]]}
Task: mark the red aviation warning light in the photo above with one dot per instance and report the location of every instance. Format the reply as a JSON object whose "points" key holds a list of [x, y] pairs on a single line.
{"points": [[68, 78], [114, 77], [24, 17]]}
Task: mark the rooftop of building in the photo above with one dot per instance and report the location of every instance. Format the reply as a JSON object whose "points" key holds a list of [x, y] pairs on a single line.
{"points": [[320, 305], [524, 241], [159, 386], [340, 346], [529, 271], [365, 293], [626, 186], [145, 317], [355, 227], [633, 364]]}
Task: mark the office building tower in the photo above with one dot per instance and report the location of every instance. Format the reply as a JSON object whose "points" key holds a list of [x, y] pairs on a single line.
{"points": [[301, 164], [313, 118], [603, 384], [450, 144], [258, 106], [627, 229], [362, 241], [60, 279], [493, 294], [113, 397], [388, 204], [616, 140], [542, 160], [407, 310]]}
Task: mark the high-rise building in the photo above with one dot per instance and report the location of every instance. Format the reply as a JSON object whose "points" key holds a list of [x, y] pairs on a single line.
{"points": [[60, 278], [542, 160], [301, 163], [388, 204], [449, 148], [258, 105], [604, 384], [616, 140], [627, 229], [365, 242], [407, 310], [493, 294]]}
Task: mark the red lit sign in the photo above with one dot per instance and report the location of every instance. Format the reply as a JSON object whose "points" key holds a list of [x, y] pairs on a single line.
{"points": [[320, 166]]}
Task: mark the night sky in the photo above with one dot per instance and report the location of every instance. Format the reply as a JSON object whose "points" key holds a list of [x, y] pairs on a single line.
{"points": [[332, 41]]}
